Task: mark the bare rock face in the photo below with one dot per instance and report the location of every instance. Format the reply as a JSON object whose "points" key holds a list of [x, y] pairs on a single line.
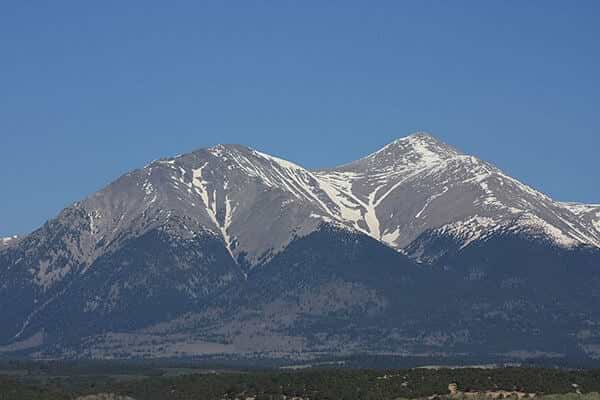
{"points": [[417, 184], [417, 248]]}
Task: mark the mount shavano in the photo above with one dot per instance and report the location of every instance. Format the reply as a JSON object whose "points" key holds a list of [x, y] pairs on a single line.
{"points": [[414, 250]]}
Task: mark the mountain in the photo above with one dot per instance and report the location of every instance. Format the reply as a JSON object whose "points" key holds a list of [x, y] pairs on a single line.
{"points": [[589, 214], [8, 241], [416, 249], [417, 184]]}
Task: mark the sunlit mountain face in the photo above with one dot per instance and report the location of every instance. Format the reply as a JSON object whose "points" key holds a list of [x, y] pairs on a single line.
{"points": [[416, 249]]}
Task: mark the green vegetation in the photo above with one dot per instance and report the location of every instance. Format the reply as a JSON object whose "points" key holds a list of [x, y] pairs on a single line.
{"points": [[155, 383], [10, 389]]}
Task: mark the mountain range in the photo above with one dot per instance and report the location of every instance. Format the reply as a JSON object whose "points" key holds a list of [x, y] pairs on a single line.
{"points": [[415, 250]]}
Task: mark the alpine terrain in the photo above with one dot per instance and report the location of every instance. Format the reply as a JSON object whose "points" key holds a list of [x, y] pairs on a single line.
{"points": [[414, 250]]}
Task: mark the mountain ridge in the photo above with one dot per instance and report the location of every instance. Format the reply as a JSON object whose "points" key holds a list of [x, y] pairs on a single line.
{"points": [[193, 234], [328, 177], [421, 184]]}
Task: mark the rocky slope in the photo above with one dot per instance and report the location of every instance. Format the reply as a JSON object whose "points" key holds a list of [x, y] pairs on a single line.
{"points": [[417, 183], [230, 250]]}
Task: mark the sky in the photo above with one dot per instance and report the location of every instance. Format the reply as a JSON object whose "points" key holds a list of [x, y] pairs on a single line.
{"points": [[91, 90]]}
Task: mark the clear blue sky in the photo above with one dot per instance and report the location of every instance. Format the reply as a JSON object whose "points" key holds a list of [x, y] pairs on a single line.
{"points": [[90, 90]]}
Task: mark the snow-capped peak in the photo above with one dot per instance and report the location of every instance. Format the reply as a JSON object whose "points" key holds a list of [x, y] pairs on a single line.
{"points": [[589, 214], [581, 208], [420, 144], [418, 183], [417, 151], [411, 185], [257, 203], [8, 239]]}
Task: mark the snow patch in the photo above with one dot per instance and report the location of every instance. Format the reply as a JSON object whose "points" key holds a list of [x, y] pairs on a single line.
{"points": [[7, 240], [429, 200], [210, 204], [471, 229], [391, 237], [557, 235]]}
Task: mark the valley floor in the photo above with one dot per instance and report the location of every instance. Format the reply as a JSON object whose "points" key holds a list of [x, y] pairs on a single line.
{"points": [[27, 380]]}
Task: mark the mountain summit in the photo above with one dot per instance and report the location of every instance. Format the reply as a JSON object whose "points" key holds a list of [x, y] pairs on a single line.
{"points": [[418, 184], [231, 250]]}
